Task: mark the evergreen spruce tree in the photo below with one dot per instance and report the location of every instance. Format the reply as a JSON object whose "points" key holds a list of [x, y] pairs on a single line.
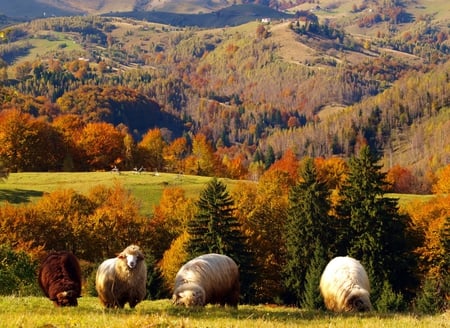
{"points": [[377, 232], [306, 226], [214, 229], [312, 299], [269, 157]]}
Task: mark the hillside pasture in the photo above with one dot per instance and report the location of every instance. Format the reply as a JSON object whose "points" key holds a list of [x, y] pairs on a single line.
{"points": [[47, 44], [39, 312], [147, 187]]}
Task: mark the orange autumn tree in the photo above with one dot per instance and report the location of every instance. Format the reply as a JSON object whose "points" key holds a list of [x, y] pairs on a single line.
{"points": [[102, 145], [116, 221], [429, 219], [333, 171], [235, 168], [170, 218], [62, 221], [174, 155], [287, 164], [17, 227], [70, 127], [442, 185], [401, 179], [28, 143]]}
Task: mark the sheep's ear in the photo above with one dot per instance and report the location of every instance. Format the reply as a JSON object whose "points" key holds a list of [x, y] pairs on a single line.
{"points": [[140, 257], [121, 255]]}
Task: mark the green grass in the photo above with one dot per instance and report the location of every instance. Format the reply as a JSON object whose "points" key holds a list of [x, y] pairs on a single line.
{"points": [[39, 312], [47, 43], [147, 187]]}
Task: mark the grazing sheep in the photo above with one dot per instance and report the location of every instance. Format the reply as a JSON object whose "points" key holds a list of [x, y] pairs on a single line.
{"points": [[122, 279], [207, 279], [344, 286], [60, 278]]}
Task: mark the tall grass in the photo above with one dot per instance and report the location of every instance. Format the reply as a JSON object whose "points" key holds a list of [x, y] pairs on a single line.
{"points": [[39, 312]]}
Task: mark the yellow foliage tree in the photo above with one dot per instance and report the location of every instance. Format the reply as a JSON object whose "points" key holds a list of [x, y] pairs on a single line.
{"points": [[262, 211], [116, 221], [170, 218], [202, 161], [153, 146], [173, 259], [174, 155], [442, 185], [428, 219]]}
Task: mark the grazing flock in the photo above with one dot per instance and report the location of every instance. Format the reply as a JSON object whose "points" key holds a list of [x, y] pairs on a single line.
{"points": [[206, 279]]}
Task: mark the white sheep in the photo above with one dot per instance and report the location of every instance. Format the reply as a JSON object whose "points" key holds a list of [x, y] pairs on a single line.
{"points": [[207, 279], [122, 279], [345, 286]]}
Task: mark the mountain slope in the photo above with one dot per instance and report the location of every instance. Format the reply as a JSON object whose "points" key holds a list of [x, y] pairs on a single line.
{"points": [[314, 88]]}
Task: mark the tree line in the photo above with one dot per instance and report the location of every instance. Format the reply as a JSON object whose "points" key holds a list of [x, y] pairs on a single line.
{"points": [[281, 231]]}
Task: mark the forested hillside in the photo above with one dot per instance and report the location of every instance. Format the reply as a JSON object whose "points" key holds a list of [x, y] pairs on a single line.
{"points": [[252, 91]]}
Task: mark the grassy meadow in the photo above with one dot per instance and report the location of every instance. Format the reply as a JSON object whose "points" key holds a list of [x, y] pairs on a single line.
{"points": [[147, 187], [39, 312]]}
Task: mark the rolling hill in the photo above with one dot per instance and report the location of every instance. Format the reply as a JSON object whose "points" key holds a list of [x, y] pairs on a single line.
{"points": [[318, 82]]}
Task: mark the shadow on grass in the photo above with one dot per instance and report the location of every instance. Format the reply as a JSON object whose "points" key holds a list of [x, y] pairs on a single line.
{"points": [[17, 196]]}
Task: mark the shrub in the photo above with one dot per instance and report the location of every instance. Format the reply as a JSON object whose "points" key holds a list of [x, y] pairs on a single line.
{"points": [[17, 272], [430, 299], [389, 301]]}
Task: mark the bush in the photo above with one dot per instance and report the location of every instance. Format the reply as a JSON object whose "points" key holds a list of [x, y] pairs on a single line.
{"points": [[17, 273], [90, 284], [430, 299], [389, 301]]}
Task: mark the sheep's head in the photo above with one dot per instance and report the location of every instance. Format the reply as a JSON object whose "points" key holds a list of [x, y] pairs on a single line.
{"points": [[359, 302], [66, 298], [132, 255], [189, 295]]}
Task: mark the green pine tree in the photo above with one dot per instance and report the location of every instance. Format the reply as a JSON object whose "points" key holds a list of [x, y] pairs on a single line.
{"points": [[306, 226], [214, 229], [377, 234], [312, 300], [269, 157]]}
